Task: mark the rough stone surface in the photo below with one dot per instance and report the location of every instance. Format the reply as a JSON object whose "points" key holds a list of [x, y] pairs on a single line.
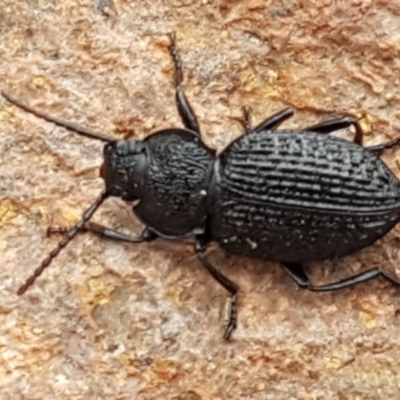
{"points": [[117, 321]]}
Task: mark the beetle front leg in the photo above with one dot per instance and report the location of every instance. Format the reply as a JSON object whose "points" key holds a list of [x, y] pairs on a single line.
{"points": [[231, 287], [103, 231], [296, 272], [185, 110]]}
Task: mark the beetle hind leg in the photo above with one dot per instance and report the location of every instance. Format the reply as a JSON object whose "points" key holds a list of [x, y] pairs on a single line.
{"points": [[380, 148], [341, 123], [336, 124], [298, 274], [185, 110]]}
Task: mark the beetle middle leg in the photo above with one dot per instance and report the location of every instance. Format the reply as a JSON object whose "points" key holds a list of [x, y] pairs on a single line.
{"points": [[336, 124], [297, 273], [231, 287], [185, 110], [104, 232]]}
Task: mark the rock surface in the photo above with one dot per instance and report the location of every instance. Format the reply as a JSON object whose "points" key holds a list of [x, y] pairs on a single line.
{"points": [[118, 321]]}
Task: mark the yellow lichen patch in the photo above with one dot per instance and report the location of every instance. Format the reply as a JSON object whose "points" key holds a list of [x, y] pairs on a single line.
{"points": [[368, 319], [367, 121], [261, 387], [255, 85], [36, 350], [5, 114], [128, 358], [17, 44], [196, 90], [369, 303], [94, 292], [96, 285], [162, 369], [70, 216], [256, 5], [7, 211], [175, 293], [247, 78], [333, 363], [39, 82], [265, 91], [272, 76], [306, 100]]}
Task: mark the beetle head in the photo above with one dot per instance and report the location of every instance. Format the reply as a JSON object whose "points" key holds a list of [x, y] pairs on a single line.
{"points": [[124, 168]]}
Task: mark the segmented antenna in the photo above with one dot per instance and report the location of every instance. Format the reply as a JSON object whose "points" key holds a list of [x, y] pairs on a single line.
{"points": [[69, 235], [64, 124]]}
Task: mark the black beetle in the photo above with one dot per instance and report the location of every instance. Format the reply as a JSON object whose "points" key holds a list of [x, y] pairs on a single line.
{"points": [[291, 196]]}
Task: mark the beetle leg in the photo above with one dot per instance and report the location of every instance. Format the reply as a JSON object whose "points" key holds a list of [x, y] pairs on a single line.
{"points": [[269, 124], [272, 122], [297, 273], [100, 230], [380, 148], [69, 235], [341, 123], [246, 119], [336, 124], [185, 110], [231, 287]]}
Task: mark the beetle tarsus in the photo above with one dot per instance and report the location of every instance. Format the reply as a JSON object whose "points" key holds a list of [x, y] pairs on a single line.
{"points": [[231, 287], [380, 148], [231, 318], [108, 233], [185, 110]]}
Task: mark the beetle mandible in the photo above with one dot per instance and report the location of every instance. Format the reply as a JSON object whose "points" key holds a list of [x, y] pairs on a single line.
{"points": [[290, 196]]}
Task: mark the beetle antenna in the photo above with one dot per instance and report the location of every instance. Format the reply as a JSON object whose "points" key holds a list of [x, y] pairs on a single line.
{"points": [[64, 124], [69, 235]]}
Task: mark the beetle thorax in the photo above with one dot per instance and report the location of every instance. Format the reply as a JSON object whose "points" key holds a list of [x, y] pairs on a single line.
{"points": [[124, 168]]}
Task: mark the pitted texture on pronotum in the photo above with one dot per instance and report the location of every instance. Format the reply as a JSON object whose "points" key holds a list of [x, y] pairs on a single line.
{"points": [[299, 197], [177, 179]]}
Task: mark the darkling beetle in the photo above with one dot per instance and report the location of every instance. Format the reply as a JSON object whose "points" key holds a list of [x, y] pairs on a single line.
{"points": [[290, 196]]}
